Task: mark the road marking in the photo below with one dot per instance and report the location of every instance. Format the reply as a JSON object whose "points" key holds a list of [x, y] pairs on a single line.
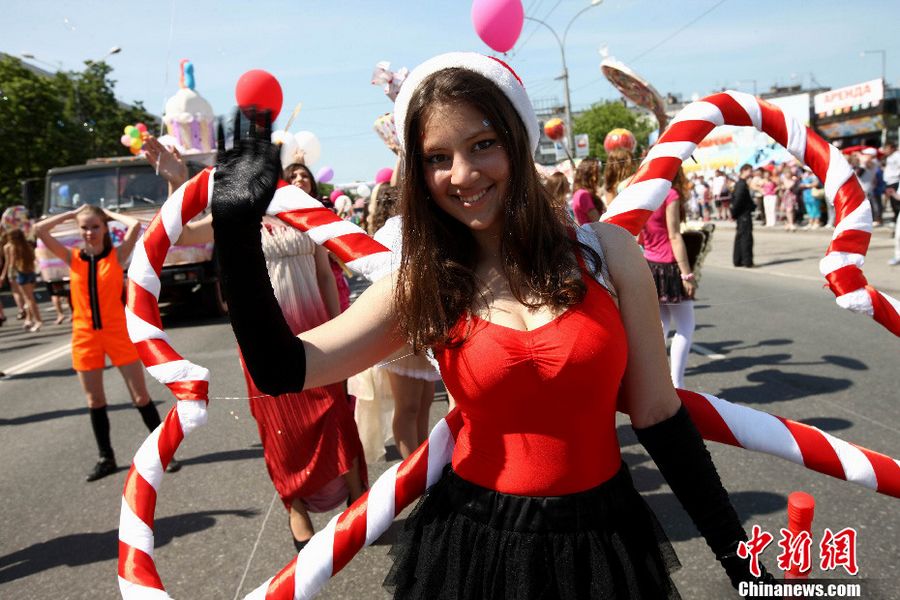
{"points": [[708, 353], [237, 592], [39, 360]]}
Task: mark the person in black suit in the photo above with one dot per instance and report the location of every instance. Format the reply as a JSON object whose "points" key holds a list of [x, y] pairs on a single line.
{"points": [[742, 211]]}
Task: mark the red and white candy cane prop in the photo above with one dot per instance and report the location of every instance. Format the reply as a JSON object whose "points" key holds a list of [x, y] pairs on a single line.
{"points": [[190, 382], [842, 265], [333, 547]]}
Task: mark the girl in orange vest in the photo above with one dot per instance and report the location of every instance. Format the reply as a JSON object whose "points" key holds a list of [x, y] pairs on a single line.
{"points": [[96, 279]]}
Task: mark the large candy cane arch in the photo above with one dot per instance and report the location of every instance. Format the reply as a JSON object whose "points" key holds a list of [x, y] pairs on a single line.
{"points": [[370, 516], [842, 265]]}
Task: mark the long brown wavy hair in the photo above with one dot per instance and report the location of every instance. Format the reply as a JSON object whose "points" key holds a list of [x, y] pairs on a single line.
{"points": [[682, 187], [436, 282], [24, 252], [587, 177], [620, 165]]}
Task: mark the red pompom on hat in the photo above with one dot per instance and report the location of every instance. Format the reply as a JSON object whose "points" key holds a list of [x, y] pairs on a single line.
{"points": [[494, 69]]}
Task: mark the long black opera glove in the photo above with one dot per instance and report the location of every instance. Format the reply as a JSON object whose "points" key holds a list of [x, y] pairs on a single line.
{"points": [[246, 177], [678, 450]]}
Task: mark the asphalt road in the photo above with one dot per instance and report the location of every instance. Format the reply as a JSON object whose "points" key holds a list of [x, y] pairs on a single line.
{"points": [[770, 338]]}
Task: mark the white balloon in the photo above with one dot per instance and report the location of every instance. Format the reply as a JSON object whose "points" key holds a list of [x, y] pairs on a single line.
{"points": [[288, 147], [308, 143], [343, 204], [363, 191]]}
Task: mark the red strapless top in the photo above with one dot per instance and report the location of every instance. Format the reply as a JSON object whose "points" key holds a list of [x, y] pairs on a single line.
{"points": [[538, 407]]}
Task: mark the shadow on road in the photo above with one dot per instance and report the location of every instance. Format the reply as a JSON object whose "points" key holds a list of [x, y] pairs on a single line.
{"points": [[85, 548], [774, 385], [60, 414], [828, 423], [42, 374], [224, 456], [19, 347], [679, 526], [781, 261]]}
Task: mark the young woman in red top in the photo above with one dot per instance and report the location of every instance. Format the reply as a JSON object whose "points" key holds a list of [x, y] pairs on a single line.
{"points": [[534, 345], [96, 280]]}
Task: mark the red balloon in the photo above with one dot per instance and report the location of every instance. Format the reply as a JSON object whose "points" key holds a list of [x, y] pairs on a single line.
{"points": [[260, 89]]}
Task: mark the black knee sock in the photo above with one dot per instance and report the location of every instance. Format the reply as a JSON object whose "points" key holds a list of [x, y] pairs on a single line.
{"points": [[150, 415], [100, 425]]}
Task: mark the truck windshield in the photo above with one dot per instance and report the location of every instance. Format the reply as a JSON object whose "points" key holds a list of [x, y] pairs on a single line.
{"points": [[120, 188]]}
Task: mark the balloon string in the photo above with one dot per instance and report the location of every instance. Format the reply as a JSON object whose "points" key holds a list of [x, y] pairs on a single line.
{"points": [[382, 364], [168, 58]]}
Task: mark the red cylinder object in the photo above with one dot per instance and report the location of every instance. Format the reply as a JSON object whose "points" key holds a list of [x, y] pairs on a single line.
{"points": [[801, 509]]}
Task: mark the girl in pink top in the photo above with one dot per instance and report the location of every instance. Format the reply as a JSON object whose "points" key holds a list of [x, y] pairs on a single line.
{"points": [[675, 285], [586, 204]]}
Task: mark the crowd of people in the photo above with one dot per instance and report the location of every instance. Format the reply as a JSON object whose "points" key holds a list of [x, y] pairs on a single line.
{"points": [[508, 288]]}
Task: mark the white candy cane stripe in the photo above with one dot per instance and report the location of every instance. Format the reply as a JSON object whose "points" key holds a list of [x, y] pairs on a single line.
{"points": [[700, 110], [381, 506], [323, 233], [133, 531], [141, 273], [290, 197], [140, 330], [757, 431], [134, 591], [178, 370], [853, 226], [857, 467]]}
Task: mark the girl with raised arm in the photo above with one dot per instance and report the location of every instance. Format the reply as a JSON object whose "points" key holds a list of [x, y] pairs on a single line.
{"points": [[96, 277], [536, 344]]}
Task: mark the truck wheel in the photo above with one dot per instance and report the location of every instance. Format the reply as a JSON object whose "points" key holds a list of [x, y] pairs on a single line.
{"points": [[213, 301]]}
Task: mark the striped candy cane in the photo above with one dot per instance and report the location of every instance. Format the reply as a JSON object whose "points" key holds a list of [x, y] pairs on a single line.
{"points": [[189, 382], [842, 265], [721, 421], [333, 547]]}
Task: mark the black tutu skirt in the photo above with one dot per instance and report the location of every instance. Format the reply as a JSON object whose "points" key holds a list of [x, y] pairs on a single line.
{"points": [[667, 277], [463, 541]]}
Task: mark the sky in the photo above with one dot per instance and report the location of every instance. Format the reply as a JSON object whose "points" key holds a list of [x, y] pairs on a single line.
{"points": [[323, 51]]}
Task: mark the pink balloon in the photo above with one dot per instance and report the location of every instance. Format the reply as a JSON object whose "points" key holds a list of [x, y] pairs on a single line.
{"points": [[498, 22], [125, 140], [384, 175], [335, 194], [141, 127], [325, 175]]}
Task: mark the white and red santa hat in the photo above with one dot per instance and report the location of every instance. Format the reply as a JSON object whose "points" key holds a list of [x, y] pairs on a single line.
{"points": [[494, 69]]}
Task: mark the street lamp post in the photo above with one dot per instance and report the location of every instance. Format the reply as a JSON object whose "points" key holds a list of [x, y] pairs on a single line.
{"points": [[883, 54], [570, 136]]}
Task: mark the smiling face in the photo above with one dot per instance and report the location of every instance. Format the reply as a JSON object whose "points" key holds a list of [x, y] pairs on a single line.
{"points": [[466, 169], [92, 229], [303, 180]]}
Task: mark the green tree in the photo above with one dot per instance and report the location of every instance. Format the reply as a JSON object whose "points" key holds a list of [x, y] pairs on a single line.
{"points": [[56, 121], [603, 117]]}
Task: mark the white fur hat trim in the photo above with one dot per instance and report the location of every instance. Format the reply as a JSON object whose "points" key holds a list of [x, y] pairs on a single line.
{"points": [[494, 69]]}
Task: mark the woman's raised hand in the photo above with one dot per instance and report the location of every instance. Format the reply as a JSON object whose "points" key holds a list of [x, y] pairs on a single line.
{"points": [[247, 174], [168, 164]]}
